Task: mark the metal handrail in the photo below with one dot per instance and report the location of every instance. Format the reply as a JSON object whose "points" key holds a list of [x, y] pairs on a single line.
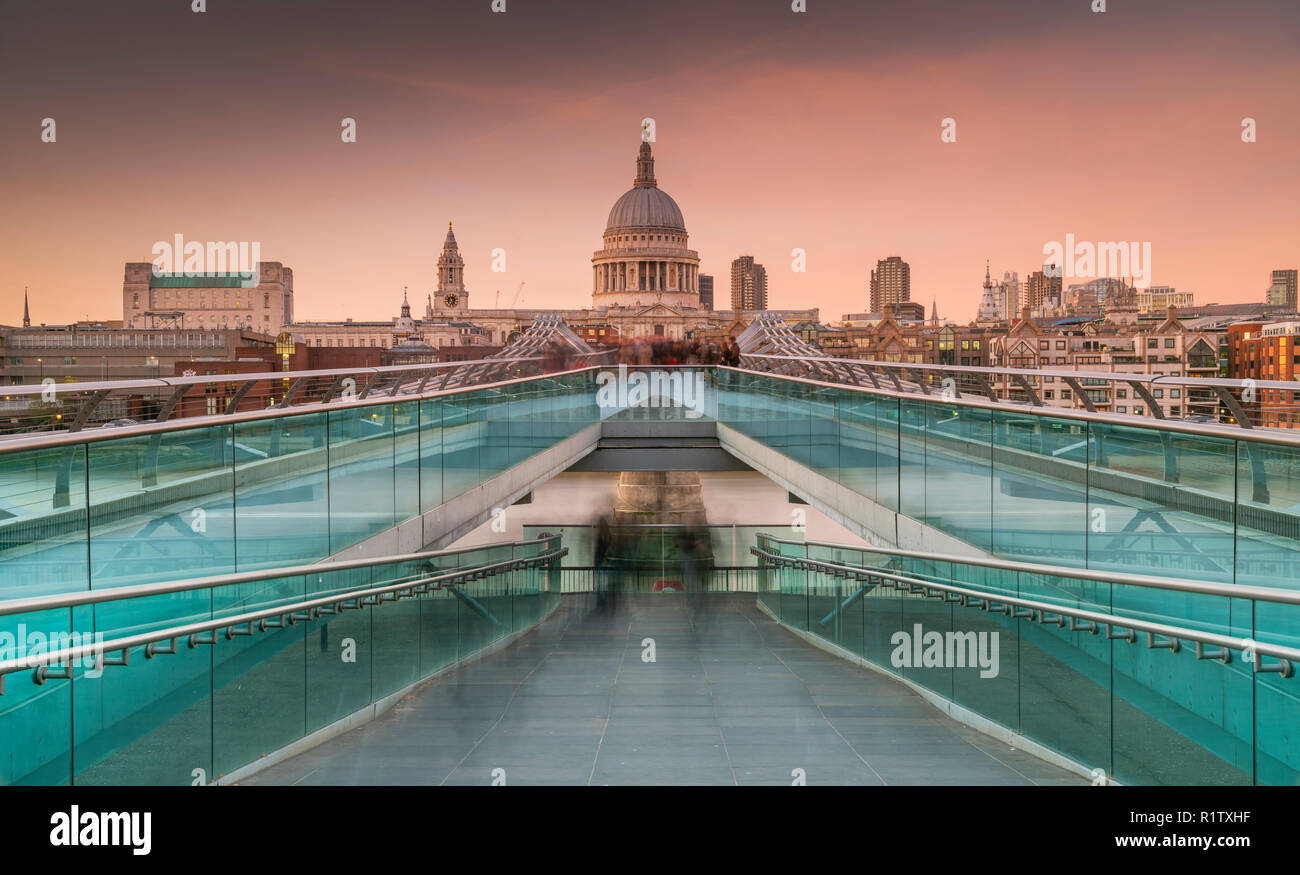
{"points": [[62, 438], [1051, 613], [173, 382], [856, 370], [1222, 431], [287, 614], [144, 590], [1117, 578]]}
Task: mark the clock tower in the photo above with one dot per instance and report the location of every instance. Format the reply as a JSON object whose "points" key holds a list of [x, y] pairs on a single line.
{"points": [[451, 295]]}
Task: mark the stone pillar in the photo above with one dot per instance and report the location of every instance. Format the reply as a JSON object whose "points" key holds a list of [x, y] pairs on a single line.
{"points": [[659, 498]]}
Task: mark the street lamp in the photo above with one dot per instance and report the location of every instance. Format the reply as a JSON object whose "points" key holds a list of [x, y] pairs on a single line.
{"points": [[284, 347]]}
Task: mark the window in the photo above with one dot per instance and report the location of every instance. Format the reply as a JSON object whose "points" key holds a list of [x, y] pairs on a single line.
{"points": [[1158, 393], [1047, 395], [1169, 343], [1121, 409], [1151, 342], [1121, 393], [1060, 344], [1043, 344]]}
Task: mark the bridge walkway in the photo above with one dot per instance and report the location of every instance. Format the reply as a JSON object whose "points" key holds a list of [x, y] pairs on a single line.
{"points": [[731, 698]]}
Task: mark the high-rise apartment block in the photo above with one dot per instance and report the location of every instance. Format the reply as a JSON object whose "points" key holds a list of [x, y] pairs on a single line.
{"points": [[748, 284], [891, 283]]}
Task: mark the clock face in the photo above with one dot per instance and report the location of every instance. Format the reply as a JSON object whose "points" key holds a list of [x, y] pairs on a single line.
{"points": [[450, 300]]}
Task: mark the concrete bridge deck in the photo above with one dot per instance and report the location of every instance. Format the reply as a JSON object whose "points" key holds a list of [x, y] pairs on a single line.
{"points": [[731, 699]]}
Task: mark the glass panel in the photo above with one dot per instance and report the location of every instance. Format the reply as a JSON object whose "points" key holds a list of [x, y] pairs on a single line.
{"points": [[431, 454], [259, 680], [1160, 503], [281, 492], [1268, 522], [337, 652], [1040, 502], [857, 442], [360, 474], [35, 719], [147, 723], [162, 507], [407, 478], [958, 486], [462, 427], [43, 536]]}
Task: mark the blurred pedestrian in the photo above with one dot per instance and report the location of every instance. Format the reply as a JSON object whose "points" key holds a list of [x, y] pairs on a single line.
{"points": [[731, 354]]}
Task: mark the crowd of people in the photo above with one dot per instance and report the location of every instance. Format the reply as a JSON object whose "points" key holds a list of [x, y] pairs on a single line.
{"points": [[652, 351], [663, 351]]}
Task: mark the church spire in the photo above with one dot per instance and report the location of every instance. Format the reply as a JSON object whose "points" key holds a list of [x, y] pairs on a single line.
{"points": [[27, 314], [451, 271], [645, 167]]}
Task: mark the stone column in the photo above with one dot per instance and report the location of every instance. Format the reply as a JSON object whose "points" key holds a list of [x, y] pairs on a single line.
{"points": [[659, 498]]}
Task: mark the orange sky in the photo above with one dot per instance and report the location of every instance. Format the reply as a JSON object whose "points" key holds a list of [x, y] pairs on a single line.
{"points": [[774, 131]]}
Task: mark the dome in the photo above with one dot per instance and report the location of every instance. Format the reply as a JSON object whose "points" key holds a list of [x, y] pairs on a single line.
{"points": [[413, 344], [643, 207]]}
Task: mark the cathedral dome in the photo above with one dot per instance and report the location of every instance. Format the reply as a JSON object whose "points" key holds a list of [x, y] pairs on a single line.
{"points": [[645, 205]]}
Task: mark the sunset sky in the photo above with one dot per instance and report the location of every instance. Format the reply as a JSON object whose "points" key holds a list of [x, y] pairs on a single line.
{"points": [[775, 130]]}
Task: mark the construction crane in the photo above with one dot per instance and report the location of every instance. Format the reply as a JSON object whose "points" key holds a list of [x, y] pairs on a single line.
{"points": [[514, 303]]}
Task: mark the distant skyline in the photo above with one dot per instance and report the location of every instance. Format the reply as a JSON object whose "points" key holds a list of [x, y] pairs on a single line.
{"points": [[774, 130]]}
